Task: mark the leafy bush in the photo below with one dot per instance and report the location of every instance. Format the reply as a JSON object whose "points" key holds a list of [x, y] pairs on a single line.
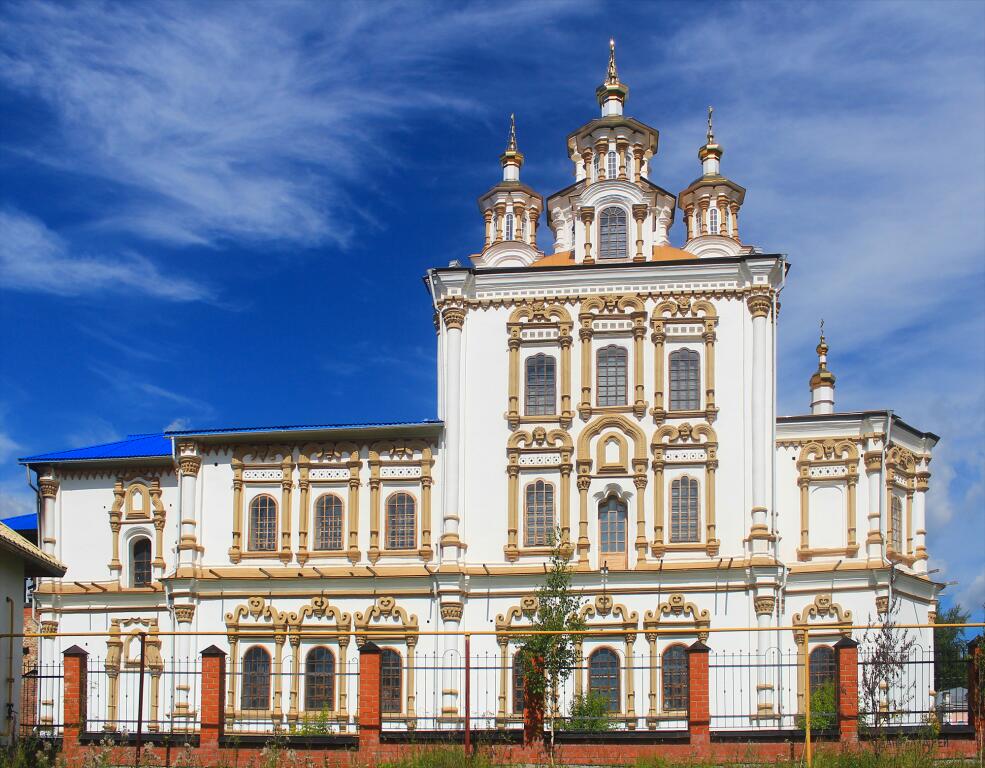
{"points": [[824, 709], [589, 713]]}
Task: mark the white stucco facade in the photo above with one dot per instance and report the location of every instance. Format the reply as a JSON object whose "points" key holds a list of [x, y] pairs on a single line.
{"points": [[793, 522]]}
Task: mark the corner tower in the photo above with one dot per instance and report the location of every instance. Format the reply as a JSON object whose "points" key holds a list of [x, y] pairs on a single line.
{"points": [[510, 210], [710, 205], [612, 212]]}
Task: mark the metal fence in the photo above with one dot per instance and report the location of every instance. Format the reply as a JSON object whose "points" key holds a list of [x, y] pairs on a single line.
{"points": [[41, 700]]}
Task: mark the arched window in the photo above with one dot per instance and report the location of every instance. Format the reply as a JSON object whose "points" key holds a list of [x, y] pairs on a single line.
{"points": [[509, 226], [256, 679], [713, 220], [629, 164], [822, 664], [391, 681], [518, 684], [684, 510], [538, 514], [140, 563], [674, 678], [685, 380], [613, 234], [523, 228], [597, 165], [603, 677], [401, 521], [328, 522], [612, 165], [697, 223], [728, 221], [138, 501], [612, 532], [896, 525], [611, 365], [540, 398], [319, 680], [263, 524]]}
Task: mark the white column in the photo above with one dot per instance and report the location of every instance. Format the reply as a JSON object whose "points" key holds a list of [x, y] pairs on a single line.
{"points": [[452, 662], [454, 320], [49, 489], [873, 540], [760, 306], [189, 465], [764, 606], [920, 519], [184, 614]]}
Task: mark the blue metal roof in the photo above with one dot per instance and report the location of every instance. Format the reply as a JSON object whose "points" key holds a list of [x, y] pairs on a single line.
{"points": [[306, 427], [134, 447], [28, 522]]}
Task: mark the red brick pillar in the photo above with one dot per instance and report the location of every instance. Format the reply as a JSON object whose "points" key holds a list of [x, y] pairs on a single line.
{"points": [[847, 659], [533, 711], [976, 710], [212, 701], [698, 711], [370, 696], [74, 699]]}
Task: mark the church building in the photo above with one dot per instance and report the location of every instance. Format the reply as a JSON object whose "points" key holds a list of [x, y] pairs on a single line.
{"points": [[619, 390]]}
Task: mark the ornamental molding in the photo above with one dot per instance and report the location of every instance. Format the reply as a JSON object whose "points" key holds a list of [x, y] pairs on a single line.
{"points": [[677, 614], [764, 605], [184, 614], [618, 618], [452, 611], [822, 614], [48, 487], [527, 609], [385, 620]]}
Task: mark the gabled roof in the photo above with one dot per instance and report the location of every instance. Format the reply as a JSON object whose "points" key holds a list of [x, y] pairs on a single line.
{"points": [[304, 427], [36, 562], [28, 522], [134, 447]]}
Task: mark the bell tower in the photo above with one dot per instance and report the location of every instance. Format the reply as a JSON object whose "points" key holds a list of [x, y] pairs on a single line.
{"points": [[510, 210]]}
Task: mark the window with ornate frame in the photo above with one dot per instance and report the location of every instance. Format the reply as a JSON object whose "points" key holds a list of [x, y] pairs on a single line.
{"points": [[896, 524], [517, 684], [391, 682], [319, 680], [684, 320], [138, 501], [622, 317], [401, 521], [831, 463], [538, 324], [538, 514], [603, 677], [823, 666], [612, 375], [540, 391], [546, 453], [613, 533], [263, 524], [256, 679], [262, 467], [613, 234], [685, 380], [141, 573], [674, 678], [684, 510], [697, 222], [713, 220], [509, 226], [611, 165], [328, 523]]}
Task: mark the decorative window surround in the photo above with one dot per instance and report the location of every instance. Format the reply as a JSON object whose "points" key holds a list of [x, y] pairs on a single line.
{"points": [[386, 622], [901, 476], [683, 310], [823, 618], [547, 451], [532, 324], [664, 447], [820, 461], [150, 490], [608, 619], [323, 468], [614, 316], [392, 454], [263, 457]]}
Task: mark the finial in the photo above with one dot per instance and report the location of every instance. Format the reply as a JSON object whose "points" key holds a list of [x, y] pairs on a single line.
{"points": [[511, 145], [822, 349], [711, 133], [613, 75]]}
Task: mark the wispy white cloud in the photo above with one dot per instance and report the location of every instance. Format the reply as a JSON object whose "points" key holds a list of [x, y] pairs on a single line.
{"points": [[34, 258], [226, 120]]}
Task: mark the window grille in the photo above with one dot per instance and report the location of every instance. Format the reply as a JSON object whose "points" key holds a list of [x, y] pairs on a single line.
{"points": [[263, 524], [518, 684], [713, 221], [391, 681], [328, 522], [538, 514], [613, 234], [697, 223], [612, 165], [256, 679], [611, 363], [629, 164], [612, 527], [603, 677], [401, 521], [896, 525], [674, 678], [540, 398], [140, 563], [822, 664], [684, 510], [509, 226], [685, 380], [319, 680]]}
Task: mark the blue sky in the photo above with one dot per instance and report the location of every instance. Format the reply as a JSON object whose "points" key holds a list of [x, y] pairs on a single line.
{"points": [[220, 213]]}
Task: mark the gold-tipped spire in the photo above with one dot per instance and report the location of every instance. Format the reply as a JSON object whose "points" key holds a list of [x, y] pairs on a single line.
{"points": [[511, 144], [711, 133], [822, 376], [612, 76]]}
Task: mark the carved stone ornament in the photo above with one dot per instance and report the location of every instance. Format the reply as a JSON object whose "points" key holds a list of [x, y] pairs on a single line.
{"points": [[677, 607], [190, 465], [451, 611], [882, 604], [822, 608], [49, 627], [759, 305], [184, 613], [764, 605], [48, 486]]}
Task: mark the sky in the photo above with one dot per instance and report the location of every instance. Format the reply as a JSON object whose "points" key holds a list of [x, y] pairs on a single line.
{"points": [[220, 213]]}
